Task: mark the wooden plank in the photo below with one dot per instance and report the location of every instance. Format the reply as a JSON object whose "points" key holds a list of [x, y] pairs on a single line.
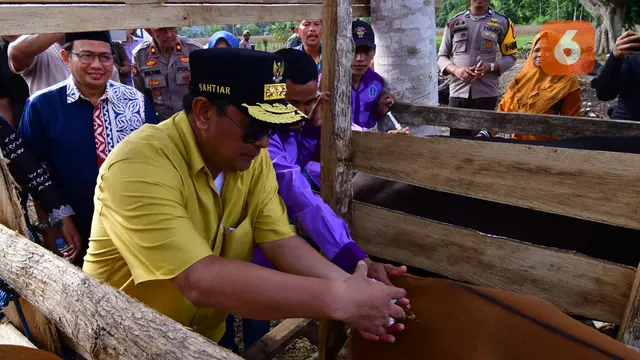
{"points": [[277, 339], [9, 335], [532, 124], [19, 19], [594, 185], [629, 332], [574, 283], [105, 322]]}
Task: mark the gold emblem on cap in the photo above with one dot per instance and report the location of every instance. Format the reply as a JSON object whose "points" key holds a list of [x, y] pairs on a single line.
{"points": [[278, 69], [275, 113], [275, 91]]}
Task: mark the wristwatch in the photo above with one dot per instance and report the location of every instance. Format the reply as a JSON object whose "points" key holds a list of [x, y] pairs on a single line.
{"points": [[42, 226], [493, 66]]}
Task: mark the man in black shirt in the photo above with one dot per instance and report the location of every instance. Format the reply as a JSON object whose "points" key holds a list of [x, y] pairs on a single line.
{"points": [[621, 76], [14, 91]]}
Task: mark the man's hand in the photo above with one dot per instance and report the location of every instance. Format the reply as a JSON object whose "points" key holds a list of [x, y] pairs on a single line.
{"points": [[482, 70], [466, 74], [367, 305], [382, 272], [404, 131], [627, 44], [72, 237], [315, 116], [385, 102]]}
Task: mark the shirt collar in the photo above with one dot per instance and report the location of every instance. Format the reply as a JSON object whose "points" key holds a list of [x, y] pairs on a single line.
{"points": [[468, 13], [178, 50], [73, 94], [194, 157]]}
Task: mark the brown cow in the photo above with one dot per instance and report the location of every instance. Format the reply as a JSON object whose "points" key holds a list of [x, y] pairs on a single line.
{"points": [[458, 321], [14, 352]]}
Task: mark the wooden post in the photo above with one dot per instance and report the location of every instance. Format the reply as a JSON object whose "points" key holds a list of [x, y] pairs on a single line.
{"points": [[630, 326], [337, 164], [337, 49], [103, 322]]}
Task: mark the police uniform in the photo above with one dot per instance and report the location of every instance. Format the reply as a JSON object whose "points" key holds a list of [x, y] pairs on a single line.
{"points": [[164, 80], [465, 38]]}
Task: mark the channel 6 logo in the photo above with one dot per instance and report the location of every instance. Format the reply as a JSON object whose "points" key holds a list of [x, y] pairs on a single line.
{"points": [[568, 48]]}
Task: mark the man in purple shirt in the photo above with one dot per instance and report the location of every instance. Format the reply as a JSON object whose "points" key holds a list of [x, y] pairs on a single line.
{"points": [[370, 102], [290, 150]]}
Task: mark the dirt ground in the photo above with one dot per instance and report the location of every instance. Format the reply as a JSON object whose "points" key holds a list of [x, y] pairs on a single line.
{"points": [[299, 349]]}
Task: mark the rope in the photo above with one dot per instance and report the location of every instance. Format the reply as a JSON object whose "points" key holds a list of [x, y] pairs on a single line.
{"points": [[7, 295]]}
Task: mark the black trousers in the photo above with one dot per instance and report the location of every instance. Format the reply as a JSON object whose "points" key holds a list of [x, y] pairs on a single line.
{"points": [[484, 103]]}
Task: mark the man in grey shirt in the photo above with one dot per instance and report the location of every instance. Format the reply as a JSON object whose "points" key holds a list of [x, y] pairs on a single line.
{"points": [[472, 36], [37, 58]]}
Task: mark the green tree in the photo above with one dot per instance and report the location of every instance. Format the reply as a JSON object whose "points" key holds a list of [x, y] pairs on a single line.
{"points": [[281, 30], [611, 18], [253, 29]]}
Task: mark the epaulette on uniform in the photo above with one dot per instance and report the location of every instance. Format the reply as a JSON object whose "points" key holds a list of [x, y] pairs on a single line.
{"points": [[189, 42], [143, 45], [459, 14], [500, 14]]}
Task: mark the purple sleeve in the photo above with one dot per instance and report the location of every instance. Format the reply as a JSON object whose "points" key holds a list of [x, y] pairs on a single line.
{"points": [[313, 169], [324, 227], [308, 141]]}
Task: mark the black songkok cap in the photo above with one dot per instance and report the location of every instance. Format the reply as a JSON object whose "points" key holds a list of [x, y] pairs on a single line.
{"points": [[250, 80], [104, 36], [300, 68]]}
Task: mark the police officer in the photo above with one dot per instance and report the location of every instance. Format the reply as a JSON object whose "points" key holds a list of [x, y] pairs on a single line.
{"points": [[471, 36], [161, 69]]}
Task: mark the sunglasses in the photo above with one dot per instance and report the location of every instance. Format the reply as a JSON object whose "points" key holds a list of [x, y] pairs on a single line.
{"points": [[255, 133]]}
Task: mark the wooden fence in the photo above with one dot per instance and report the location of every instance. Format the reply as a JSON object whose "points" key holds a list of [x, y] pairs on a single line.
{"points": [[598, 186], [602, 186]]}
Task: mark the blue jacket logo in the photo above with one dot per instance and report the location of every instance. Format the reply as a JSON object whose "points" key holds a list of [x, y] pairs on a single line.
{"points": [[373, 91]]}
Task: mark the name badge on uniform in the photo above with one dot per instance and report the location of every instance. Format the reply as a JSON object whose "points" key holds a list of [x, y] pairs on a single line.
{"points": [[459, 24]]}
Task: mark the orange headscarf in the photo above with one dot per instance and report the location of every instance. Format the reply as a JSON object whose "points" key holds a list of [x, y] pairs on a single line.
{"points": [[533, 91]]}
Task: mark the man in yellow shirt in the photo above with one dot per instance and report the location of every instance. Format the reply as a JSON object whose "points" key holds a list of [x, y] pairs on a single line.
{"points": [[180, 206]]}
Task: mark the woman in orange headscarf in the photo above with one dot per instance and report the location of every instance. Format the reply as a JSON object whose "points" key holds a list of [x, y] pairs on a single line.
{"points": [[535, 92]]}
